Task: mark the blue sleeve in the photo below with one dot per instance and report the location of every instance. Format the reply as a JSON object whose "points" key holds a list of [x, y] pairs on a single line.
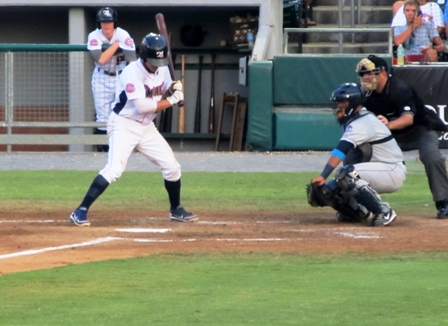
{"points": [[342, 149]]}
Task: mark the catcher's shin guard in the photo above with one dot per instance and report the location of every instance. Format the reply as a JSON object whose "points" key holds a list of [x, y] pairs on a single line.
{"points": [[346, 178], [369, 198], [344, 203], [351, 212]]}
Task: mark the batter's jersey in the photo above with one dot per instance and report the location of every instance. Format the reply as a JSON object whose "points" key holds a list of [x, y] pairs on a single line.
{"points": [[125, 52], [136, 82], [367, 128]]}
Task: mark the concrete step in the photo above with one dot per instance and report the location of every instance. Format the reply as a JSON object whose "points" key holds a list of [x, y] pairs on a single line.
{"points": [[385, 3], [372, 14], [368, 15], [360, 37], [347, 48]]}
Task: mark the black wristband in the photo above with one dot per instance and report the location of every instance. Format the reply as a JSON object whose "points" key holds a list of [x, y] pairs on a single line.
{"points": [[327, 171]]}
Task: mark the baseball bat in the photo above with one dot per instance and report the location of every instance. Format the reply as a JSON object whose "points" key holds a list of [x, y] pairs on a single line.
{"points": [[211, 115], [182, 108], [161, 26], [197, 116]]}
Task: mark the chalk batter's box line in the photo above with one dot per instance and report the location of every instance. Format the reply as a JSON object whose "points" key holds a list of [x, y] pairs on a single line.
{"points": [[109, 239]]}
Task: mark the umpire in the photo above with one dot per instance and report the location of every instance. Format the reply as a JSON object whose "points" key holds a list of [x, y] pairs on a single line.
{"points": [[402, 110]]}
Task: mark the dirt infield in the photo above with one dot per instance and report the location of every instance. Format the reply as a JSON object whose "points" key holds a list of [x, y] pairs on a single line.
{"points": [[49, 240]]}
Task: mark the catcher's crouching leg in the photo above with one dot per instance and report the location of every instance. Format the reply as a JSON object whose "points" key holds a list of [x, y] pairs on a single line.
{"points": [[353, 186], [348, 209]]}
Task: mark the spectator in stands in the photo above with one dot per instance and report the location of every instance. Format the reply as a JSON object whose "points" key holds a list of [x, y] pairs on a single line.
{"points": [[418, 36], [306, 14], [431, 11]]}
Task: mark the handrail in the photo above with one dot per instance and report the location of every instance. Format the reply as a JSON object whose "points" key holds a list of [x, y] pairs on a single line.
{"points": [[16, 47], [286, 32]]}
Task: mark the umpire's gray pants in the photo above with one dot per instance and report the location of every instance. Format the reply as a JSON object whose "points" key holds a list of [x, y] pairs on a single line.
{"points": [[427, 143]]}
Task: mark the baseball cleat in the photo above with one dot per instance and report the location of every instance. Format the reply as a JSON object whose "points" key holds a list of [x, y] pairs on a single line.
{"points": [[181, 215], [443, 213], [385, 219], [79, 217]]}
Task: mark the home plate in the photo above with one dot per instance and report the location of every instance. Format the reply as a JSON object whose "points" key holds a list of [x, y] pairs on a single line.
{"points": [[141, 230]]}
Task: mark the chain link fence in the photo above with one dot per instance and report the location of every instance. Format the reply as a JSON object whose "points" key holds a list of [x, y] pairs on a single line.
{"points": [[47, 102]]}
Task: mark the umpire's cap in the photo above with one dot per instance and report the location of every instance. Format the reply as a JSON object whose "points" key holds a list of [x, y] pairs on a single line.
{"points": [[371, 64]]}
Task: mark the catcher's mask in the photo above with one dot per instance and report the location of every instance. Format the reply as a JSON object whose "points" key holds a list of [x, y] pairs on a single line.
{"points": [[368, 70], [347, 98]]}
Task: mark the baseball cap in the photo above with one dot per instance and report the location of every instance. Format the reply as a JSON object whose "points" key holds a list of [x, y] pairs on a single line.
{"points": [[371, 63]]}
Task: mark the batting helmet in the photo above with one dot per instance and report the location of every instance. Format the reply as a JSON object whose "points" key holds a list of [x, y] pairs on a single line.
{"points": [[154, 50], [348, 92], [106, 14]]}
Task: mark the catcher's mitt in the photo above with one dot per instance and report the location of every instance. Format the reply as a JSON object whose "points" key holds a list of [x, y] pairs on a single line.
{"points": [[315, 196]]}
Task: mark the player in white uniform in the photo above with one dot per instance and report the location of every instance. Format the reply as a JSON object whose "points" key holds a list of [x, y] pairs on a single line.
{"points": [[354, 192], [145, 87], [108, 63]]}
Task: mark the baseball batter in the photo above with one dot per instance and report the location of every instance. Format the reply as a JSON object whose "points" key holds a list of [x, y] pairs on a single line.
{"points": [[145, 88], [109, 63], [354, 192]]}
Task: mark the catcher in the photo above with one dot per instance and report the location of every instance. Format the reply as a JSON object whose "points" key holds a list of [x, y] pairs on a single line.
{"points": [[354, 192]]}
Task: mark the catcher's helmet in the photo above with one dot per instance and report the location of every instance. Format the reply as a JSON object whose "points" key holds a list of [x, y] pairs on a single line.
{"points": [[348, 92], [106, 14], [154, 50]]}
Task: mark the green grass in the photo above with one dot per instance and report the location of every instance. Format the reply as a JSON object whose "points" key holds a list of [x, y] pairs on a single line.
{"points": [[233, 289], [56, 190], [220, 289]]}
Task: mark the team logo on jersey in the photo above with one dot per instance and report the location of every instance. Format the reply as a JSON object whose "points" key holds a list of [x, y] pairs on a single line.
{"points": [[155, 91], [93, 42], [130, 88], [160, 54], [129, 42], [349, 129]]}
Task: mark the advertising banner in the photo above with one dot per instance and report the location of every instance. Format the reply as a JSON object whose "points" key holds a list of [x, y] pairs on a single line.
{"points": [[431, 83]]}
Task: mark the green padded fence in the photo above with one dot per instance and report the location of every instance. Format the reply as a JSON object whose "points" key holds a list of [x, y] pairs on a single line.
{"points": [[289, 101], [302, 80], [260, 119]]}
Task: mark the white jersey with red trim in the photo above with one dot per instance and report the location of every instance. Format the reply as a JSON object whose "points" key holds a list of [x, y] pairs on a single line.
{"points": [[96, 40], [136, 82]]}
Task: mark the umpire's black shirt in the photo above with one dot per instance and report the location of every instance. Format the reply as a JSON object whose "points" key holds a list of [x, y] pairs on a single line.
{"points": [[396, 99]]}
